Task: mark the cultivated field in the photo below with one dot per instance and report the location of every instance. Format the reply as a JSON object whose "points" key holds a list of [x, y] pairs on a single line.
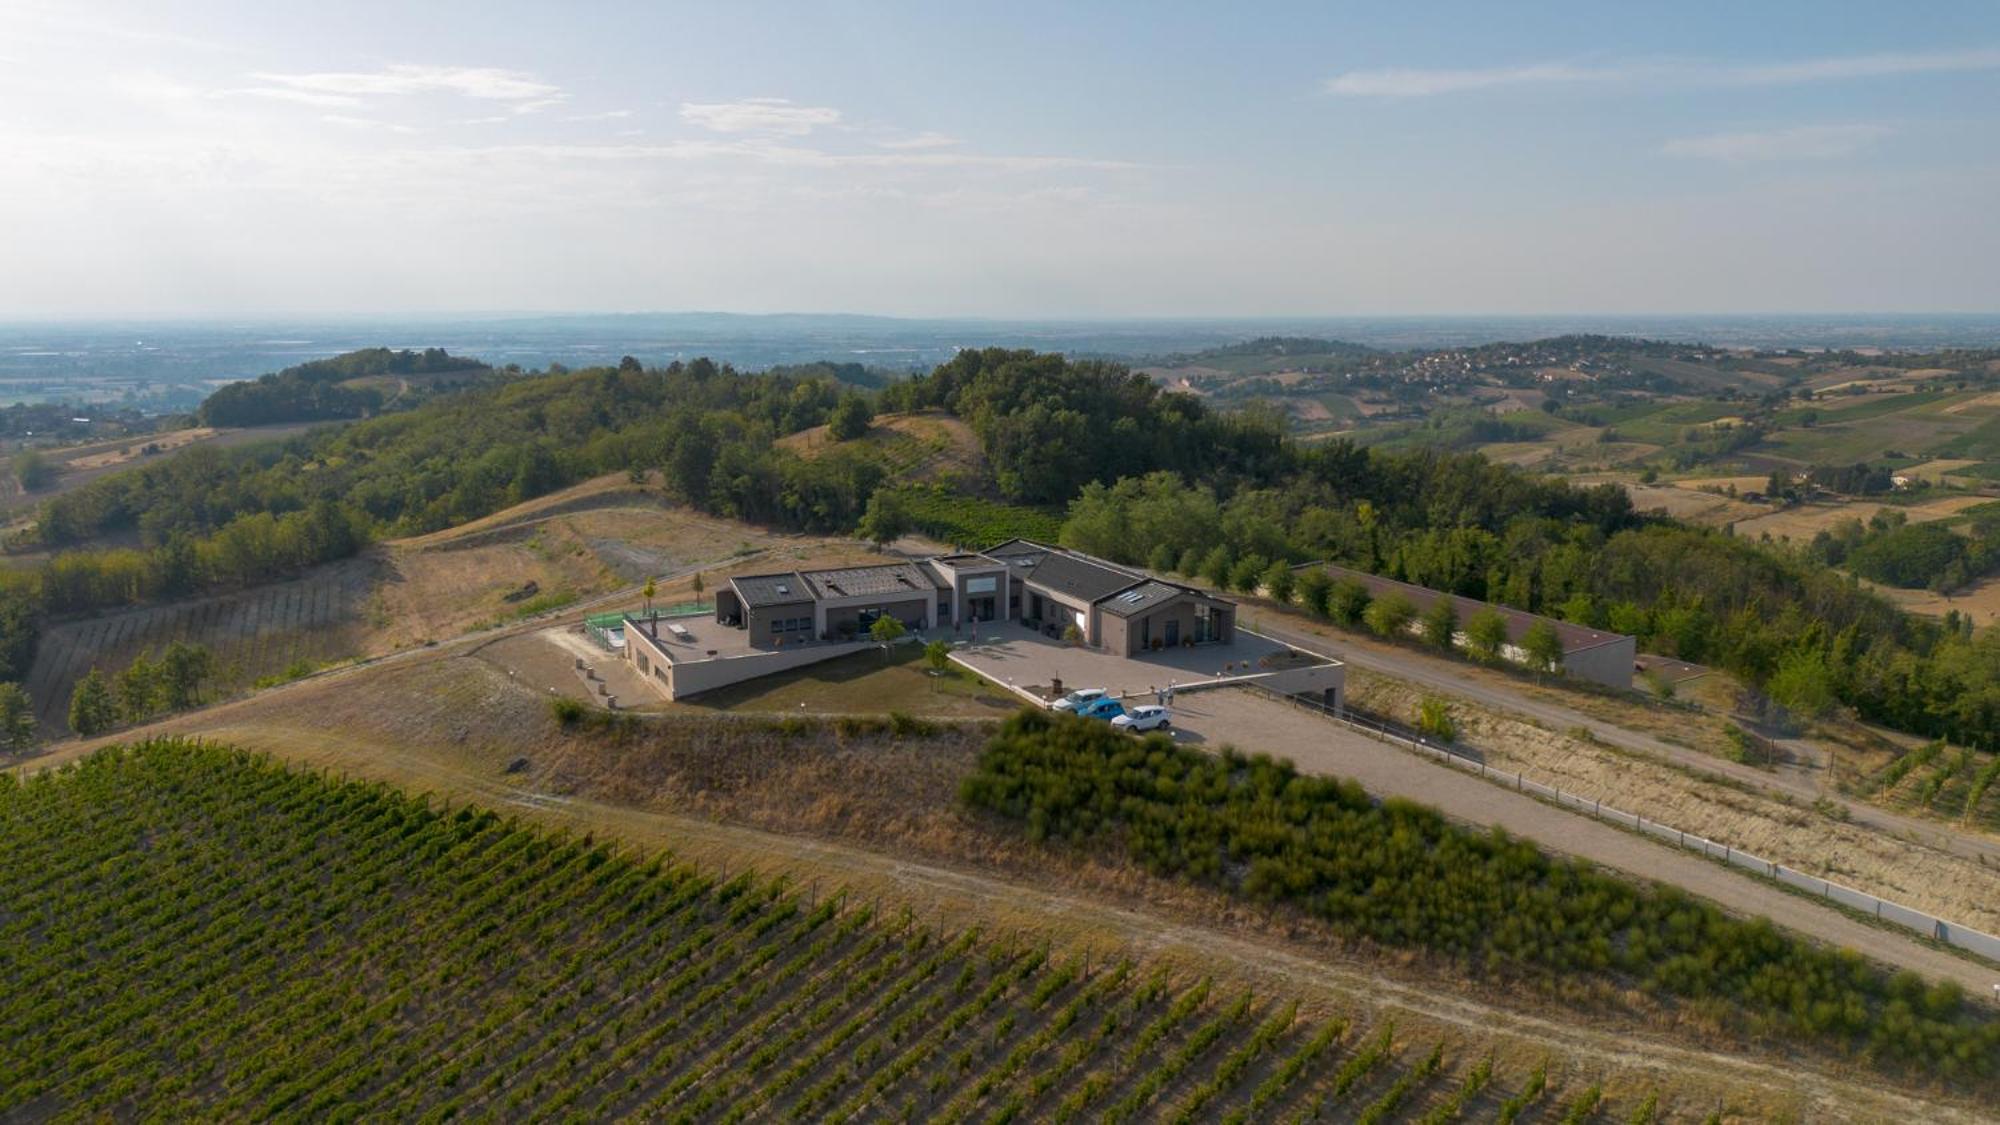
{"points": [[81, 464], [1801, 522], [311, 948], [304, 623], [1979, 601]]}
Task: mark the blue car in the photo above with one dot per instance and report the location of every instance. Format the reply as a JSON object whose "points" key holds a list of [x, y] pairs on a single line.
{"points": [[1103, 709]]}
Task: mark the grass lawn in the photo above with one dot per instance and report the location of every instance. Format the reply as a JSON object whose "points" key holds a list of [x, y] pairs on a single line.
{"points": [[866, 683]]}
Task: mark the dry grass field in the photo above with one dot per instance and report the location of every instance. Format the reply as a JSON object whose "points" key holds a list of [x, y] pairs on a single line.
{"points": [[1704, 508], [917, 448], [1801, 522], [1792, 833], [878, 815], [1979, 601]]}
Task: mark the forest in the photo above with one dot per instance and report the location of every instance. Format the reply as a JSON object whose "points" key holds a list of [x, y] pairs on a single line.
{"points": [[1494, 904], [315, 391]]}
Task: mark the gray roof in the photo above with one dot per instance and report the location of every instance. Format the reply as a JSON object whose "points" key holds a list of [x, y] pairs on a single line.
{"points": [[1139, 599], [1014, 550], [1080, 578], [771, 589], [870, 581]]}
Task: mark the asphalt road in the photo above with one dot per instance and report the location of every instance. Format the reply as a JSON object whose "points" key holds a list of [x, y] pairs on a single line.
{"points": [[1318, 745]]}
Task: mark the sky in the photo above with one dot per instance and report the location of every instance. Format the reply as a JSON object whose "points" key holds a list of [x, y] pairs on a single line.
{"points": [[174, 159]]}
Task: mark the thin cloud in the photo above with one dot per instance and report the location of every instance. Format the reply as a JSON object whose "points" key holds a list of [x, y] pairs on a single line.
{"points": [[1808, 142], [779, 116], [607, 115], [350, 122], [920, 141], [286, 94], [486, 83], [1417, 83]]}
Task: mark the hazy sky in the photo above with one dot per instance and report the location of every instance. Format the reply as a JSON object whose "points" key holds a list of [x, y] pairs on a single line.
{"points": [[1003, 159]]}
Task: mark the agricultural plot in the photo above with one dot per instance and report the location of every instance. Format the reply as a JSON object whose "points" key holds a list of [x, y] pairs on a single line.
{"points": [[254, 633], [1954, 783], [195, 933]]}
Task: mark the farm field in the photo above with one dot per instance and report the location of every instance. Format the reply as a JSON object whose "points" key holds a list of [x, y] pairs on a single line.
{"points": [[880, 814], [310, 621], [1801, 522], [84, 463], [312, 948], [1979, 601]]}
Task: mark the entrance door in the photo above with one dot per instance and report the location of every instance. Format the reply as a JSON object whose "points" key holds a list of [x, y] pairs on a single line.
{"points": [[1173, 631]]}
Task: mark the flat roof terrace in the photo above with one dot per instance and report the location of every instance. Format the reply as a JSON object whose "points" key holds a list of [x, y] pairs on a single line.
{"points": [[1026, 661], [702, 637]]}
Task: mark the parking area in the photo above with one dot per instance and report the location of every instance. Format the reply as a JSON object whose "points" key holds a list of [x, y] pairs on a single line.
{"points": [[1032, 664]]}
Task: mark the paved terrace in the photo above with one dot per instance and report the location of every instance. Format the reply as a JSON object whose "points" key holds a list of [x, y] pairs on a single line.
{"points": [[1026, 661]]}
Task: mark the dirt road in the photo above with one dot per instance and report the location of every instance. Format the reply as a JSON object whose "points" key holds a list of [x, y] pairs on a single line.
{"points": [[1318, 745]]}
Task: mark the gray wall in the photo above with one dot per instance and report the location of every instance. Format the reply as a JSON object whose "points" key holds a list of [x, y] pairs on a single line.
{"points": [[910, 611], [759, 618], [1130, 636], [1609, 664]]}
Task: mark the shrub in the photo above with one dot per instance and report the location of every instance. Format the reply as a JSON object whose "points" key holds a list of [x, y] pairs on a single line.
{"points": [[1389, 615], [1348, 602], [1313, 587], [1278, 581], [1434, 718], [569, 712], [1441, 623], [1486, 634]]}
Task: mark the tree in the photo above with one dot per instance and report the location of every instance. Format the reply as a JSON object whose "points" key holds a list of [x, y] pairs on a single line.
{"points": [[1278, 582], [1389, 615], [1215, 566], [850, 417], [1441, 623], [137, 689], [1245, 573], [1161, 559], [1544, 648], [937, 654], [1313, 586], [34, 470], [17, 718], [887, 518], [1348, 601], [1486, 634], [91, 708], [183, 667], [887, 630], [1434, 718], [647, 594], [698, 585], [1189, 564]]}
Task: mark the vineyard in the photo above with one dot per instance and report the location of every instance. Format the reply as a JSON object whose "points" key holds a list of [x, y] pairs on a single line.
{"points": [[264, 631], [189, 932], [1956, 783], [953, 517]]}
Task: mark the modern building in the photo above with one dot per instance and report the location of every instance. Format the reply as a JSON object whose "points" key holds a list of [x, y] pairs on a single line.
{"points": [[767, 623], [1588, 654]]}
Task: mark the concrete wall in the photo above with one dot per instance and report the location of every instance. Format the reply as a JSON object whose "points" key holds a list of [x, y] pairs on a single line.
{"points": [[697, 676], [1131, 636], [1064, 611], [1609, 664], [1325, 683], [759, 618]]}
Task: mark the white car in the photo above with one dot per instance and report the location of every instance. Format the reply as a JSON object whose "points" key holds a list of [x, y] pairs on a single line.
{"points": [[1148, 717], [1078, 699]]}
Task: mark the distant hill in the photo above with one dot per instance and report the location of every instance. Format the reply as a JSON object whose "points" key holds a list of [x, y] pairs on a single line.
{"points": [[353, 385], [1286, 346]]}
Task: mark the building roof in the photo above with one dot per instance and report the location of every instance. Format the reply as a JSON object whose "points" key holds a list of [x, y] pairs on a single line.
{"points": [[771, 589], [1575, 638], [1081, 578], [968, 561], [1015, 549], [1143, 597], [870, 581]]}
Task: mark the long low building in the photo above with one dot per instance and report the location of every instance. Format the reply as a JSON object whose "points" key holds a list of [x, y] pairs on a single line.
{"points": [[1588, 654], [767, 623]]}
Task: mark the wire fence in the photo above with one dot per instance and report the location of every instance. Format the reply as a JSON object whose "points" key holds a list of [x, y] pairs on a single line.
{"points": [[1940, 929]]}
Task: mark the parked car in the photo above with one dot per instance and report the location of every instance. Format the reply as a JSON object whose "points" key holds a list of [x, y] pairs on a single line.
{"points": [[1147, 717], [1078, 699], [1107, 709]]}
